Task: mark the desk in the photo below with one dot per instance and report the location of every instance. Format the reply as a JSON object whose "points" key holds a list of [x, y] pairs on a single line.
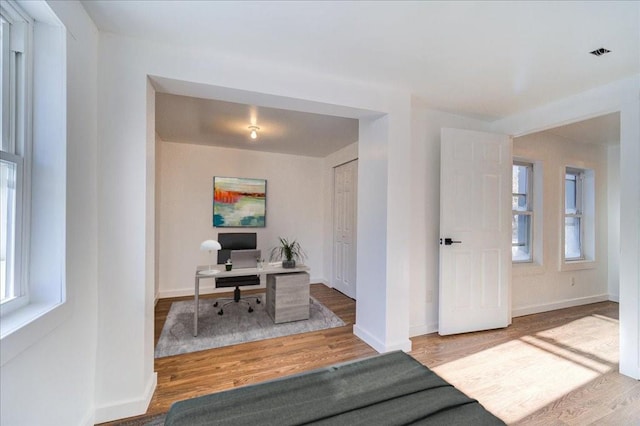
{"points": [[201, 272]]}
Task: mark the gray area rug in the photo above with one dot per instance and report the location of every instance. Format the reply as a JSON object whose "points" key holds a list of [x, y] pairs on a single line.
{"points": [[237, 325]]}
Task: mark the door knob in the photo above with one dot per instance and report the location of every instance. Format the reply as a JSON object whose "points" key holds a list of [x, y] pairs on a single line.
{"points": [[449, 241]]}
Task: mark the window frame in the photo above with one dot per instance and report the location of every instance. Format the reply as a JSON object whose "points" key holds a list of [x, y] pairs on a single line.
{"points": [[50, 303], [15, 147], [579, 212], [529, 209]]}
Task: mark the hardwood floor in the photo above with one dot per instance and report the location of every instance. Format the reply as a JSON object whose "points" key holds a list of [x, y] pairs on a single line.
{"points": [[200, 373], [555, 368]]}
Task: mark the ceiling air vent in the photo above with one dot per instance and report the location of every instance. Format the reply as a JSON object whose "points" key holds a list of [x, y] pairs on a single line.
{"points": [[600, 52]]}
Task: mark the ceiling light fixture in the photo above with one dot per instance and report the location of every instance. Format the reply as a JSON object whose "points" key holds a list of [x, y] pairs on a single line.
{"points": [[254, 131], [600, 52]]}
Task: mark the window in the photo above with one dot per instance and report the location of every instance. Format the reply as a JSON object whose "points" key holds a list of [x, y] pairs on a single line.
{"points": [[573, 214], [522, 211], [32, 175], [13, 159], [579, 219]]}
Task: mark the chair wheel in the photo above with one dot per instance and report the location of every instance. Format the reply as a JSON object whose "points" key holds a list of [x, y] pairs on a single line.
{"points": [[258, 301], [250, 309], [215, 305], [220, 312]]}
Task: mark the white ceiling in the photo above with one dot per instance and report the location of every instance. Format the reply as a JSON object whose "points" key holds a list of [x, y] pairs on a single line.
{"points": [[603, 130], [208, 122], [482, 59]]}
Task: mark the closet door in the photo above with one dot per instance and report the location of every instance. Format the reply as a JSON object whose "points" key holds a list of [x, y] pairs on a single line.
{"points": [[344, 227]]}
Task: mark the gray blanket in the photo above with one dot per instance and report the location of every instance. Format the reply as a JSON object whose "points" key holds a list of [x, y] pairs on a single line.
{"points": [[389, 389]]}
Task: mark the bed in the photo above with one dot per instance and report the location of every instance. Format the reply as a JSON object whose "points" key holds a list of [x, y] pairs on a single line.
{"points": [[388, 389]]}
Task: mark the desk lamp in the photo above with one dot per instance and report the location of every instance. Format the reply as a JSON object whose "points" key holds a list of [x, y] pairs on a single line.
{"points": [[210, 246]]}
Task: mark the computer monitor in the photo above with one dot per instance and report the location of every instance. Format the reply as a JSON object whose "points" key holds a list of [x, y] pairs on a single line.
{"points": [[235, 241]]}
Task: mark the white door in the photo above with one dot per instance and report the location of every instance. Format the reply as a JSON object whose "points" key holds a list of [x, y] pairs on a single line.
{"points": [[344, 227], [475, 231]]}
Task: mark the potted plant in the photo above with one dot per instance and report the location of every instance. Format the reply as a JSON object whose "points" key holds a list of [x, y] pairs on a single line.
{"points": [[289, 252]]}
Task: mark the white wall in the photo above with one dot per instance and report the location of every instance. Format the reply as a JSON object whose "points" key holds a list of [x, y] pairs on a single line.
{"points": [[425, 212], [630, 226], [543, 287], [48, 167], [52, 381], [124, 378], [294, 207], [371, 312], [331, 161], [613, 201]]}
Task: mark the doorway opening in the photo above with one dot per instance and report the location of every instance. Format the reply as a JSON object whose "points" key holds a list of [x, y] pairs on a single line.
{"points": [[575, 209]]}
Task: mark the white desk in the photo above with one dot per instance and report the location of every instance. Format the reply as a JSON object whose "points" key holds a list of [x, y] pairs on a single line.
{"points": [[201, 272]]}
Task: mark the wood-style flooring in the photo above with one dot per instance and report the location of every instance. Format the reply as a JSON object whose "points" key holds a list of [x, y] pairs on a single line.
{"points": [[555, 368]]}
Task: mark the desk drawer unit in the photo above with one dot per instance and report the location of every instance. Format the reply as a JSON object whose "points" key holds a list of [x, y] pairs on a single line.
{"points": [[288, 297]]}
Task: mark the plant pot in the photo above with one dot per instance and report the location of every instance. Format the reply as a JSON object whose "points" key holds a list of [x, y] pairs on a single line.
{"points": [[289, 263], [228, 267]]}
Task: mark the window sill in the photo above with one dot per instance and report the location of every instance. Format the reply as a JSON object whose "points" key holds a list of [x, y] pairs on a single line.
{"points": [[24, 327], [577, 265]]}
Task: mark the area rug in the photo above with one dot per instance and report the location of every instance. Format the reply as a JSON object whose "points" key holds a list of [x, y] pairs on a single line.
{"points": [[235, 326]]}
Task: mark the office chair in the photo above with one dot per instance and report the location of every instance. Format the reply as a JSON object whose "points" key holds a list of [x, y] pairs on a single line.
{"points": [[235, 241]]}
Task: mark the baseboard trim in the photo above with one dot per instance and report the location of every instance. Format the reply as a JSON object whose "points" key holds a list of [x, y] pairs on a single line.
{"points": [[130, 408], [379, 346], [569, 303]]}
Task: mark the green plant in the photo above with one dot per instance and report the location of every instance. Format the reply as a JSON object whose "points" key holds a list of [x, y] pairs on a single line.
{"points": [[288, 250]]}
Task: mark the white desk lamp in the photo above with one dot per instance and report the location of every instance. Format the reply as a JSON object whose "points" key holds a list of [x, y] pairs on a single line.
{"points": [[210, 246]]}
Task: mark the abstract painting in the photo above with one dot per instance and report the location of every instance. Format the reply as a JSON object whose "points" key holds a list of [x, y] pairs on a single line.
{"points": [[239, 202]]}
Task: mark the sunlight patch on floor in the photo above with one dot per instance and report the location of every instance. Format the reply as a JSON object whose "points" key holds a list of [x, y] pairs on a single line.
{"points": [[521, 376]]}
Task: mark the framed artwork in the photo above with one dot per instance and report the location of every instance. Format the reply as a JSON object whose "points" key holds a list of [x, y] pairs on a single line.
{"points": [[239, 202]]}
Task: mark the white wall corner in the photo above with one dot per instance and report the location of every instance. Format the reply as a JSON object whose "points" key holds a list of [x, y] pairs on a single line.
{"points": [[379, 346], [89, 418], [422, 329], [128, 408], [316, 280]]}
